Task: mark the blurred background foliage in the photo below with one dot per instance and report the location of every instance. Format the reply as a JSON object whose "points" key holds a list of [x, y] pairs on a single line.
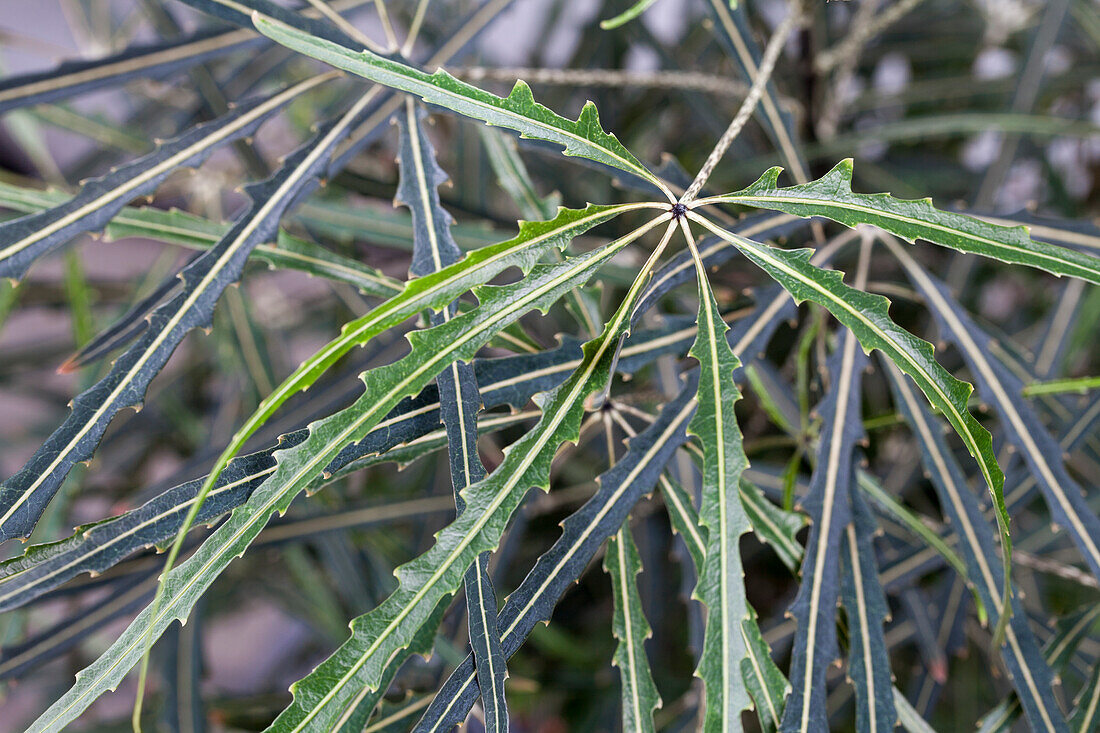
{"points": [[994, 106]]}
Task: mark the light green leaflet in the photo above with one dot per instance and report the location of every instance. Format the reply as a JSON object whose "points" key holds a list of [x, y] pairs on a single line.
{"points": [[764, 680], [639, 693], [721, 582], [831, 196], [297, 467], [867, 316], [518, 111]]}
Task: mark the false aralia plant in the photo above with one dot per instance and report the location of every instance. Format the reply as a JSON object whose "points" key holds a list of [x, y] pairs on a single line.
{"points": [[451, 362]]}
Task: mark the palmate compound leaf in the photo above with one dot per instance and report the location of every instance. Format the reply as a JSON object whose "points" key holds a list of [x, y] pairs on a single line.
{"points": [[831, 196], [583, 533], [460, 402], [721, 586], [828, 505], [629, 625], [297, 467], [322, 695], [1023, 427], [1030, 675], [867, 316], [27, 238], [518, 111]]}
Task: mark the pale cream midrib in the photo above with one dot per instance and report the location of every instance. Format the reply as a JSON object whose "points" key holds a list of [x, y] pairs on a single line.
{"points": [[166, 165], [628, 627], [1009, 410], [840, 415], [1062, 235], [722, 488], [964, 518], [192, 297], [273, 501], [864, 624], [413, 129]]}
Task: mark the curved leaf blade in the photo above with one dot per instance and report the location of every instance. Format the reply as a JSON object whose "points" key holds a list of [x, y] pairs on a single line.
{"points": [[828, 504], [721, 580], [630, 627], [583, 137], [831, 196]]}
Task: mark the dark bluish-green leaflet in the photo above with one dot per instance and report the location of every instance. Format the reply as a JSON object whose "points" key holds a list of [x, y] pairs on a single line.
{"points": [[1030, 674], [866, 610], [1023, 428], [72, 78], [459, 399], [27, 238], [828, 506], [181, 664]]}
